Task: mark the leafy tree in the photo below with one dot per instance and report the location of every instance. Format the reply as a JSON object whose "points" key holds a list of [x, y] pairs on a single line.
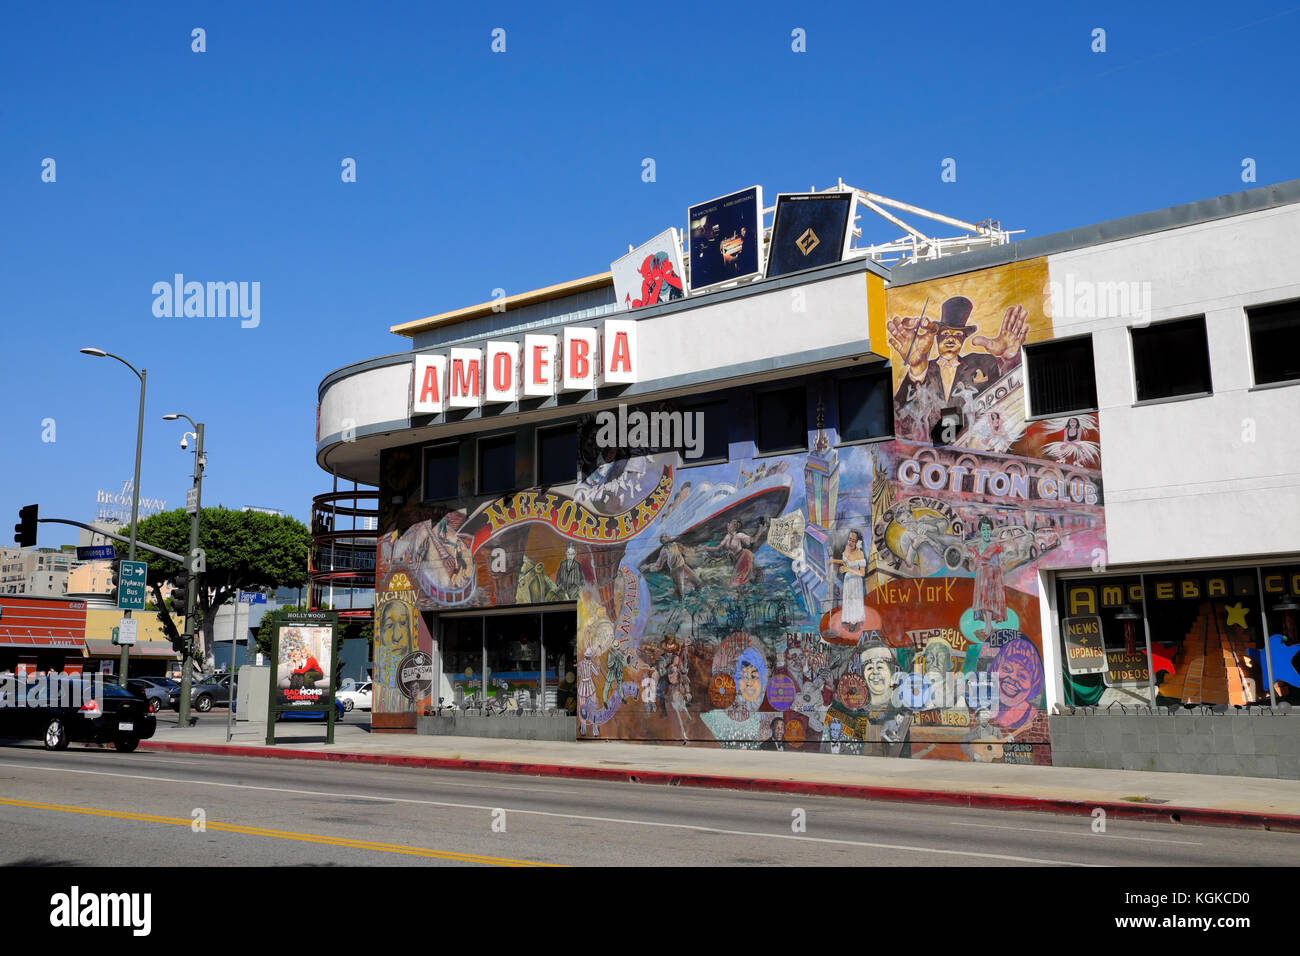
{"points": [[244, 550]]}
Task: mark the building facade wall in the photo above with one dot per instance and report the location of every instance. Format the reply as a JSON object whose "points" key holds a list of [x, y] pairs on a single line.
{"points": [[1210, 476], [722, 604]]}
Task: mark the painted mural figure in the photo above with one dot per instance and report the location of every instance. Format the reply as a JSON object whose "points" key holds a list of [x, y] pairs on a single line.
{"points": [[931, 384], [853, 612], [777, 740], [679, 691], [587, 693], [740, 548], [991, 433], [649, 683], [1073, 448], [659, 282], [878, 665], [917, 531], [534, 586], [568, 578], [396, 639], [751, 681], [1020, 681], [673, 555], [990, 604], [983, 742]]}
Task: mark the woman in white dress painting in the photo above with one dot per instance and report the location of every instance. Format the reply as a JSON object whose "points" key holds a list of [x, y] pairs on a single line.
{"points": [[853, 612]]}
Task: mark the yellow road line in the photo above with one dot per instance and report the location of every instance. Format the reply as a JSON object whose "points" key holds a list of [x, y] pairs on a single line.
{"points": [[280, 834]]}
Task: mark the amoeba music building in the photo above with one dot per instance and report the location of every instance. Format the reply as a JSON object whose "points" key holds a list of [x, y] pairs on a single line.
{"points": [[1035, 502]]}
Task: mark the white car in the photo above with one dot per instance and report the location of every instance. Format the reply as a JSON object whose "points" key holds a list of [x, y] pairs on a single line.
{"points": [[358, 695]]}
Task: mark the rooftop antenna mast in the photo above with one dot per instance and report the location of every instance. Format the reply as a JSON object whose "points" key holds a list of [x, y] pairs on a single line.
{"points": [[915, 245]]}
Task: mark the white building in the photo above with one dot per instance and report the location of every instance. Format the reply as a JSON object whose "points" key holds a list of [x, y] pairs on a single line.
{"points": [[1060, 475]]}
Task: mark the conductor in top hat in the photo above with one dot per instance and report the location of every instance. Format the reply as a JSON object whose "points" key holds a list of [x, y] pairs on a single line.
{"points": [[930, 384]]}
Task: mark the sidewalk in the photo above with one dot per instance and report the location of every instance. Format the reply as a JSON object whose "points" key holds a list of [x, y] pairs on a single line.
{"points": [[1160, 797]]}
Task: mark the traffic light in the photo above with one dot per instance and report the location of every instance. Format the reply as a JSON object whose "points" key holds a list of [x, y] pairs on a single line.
{"points": [[114, 577], [181, 584], [25, 529], [181, 644]]}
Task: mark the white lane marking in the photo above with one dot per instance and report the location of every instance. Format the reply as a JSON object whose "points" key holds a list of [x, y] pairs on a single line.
{"points": [[132, 758], [1108, 836], [569, 816]]}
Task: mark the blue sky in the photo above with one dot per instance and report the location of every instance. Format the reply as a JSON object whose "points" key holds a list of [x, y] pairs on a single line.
{"points": [[478, 170]]}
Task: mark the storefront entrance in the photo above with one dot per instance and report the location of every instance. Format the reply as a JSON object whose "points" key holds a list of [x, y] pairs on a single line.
{"points": [[492, 664]]}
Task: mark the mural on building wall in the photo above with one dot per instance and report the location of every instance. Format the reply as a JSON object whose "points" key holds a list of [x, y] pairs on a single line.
{"points": [[870, 599]]}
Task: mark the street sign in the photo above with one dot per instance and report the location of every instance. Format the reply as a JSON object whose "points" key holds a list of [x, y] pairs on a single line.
{"points": [[131, 587], [96, 552], [251, 597], [126, 631], [191, 501]]}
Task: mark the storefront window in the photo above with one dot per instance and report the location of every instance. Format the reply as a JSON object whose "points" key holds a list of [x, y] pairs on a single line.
{"points": [[1206, 631], [1103, 642], [561, 649], [498, 658], [1208, 625], [461, 653]]}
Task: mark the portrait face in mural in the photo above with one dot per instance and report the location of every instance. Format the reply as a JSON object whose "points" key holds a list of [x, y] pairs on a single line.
{"points": [[396, 628], [751, 677], [1020, 681], [878, 672], [937, 657]]}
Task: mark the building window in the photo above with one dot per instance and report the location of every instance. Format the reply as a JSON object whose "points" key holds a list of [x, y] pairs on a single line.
{"points": [[866, 407], [709, 431], [557, 455], [1061, 376], [1275, 342], [781, 420], [1172, 359], [441, 472], [496, 464]]}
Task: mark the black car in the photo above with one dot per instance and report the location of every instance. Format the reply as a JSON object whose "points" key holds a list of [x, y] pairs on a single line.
{"points": [[63, 709]]}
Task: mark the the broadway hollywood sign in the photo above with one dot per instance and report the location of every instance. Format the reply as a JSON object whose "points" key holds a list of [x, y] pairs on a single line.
{"points": [[538, 366]]}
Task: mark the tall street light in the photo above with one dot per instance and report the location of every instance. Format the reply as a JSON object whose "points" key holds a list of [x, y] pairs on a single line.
{"points": [[191, 577], [135, 484]]}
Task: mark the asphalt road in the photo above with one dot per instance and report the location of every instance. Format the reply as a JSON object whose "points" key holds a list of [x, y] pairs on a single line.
{"points": [[95, 807]]}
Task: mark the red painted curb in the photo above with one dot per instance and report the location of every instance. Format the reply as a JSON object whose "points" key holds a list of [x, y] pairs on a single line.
{"points": [[1148, 812]]}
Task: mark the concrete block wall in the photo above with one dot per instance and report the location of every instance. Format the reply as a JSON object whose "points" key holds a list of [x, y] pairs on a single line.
{"points": [[1237, 743]]}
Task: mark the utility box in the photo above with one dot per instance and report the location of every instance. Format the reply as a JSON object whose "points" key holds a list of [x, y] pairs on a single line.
{"points": [[251, 696]]}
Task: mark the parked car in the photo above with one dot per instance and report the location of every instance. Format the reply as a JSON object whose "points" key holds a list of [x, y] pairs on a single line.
{"points": [[156, 697], [358, 696], [70, 708], [205, 694]]}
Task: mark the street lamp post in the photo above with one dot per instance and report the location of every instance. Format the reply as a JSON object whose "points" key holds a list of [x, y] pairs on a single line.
{"points": [[135, 484], [191, 591]]}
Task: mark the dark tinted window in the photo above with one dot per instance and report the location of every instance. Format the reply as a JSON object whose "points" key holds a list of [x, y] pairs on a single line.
{"points": [[1275, 342], [1061, 377], [781, 420], [557, 455], [441, 472], [1172, 358], [866, 407], [496, 464], [713, 444]]}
